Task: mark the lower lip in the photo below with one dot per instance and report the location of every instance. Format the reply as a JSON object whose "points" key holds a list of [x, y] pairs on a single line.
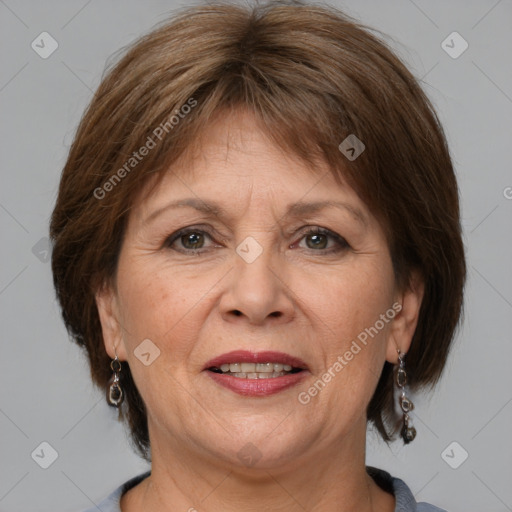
{"points": [[257, 387]]}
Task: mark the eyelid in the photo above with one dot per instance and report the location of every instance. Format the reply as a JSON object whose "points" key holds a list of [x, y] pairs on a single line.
{"points": [[312, 230], [341, 242], [173, 237]]}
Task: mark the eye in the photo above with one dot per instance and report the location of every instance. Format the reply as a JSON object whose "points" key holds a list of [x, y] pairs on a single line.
{"points": [[188, 240], [195, 240], [321, 239]]}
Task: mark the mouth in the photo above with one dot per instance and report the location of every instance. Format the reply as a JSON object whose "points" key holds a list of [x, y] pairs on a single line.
{"points": [[256, 373], [255, 370]]}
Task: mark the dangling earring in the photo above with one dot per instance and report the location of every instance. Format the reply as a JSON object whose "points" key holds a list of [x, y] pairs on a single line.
{"points": [[408, 432], [115, 395]]}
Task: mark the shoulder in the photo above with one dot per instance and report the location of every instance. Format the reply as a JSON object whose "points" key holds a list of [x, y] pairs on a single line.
{"points": [[112, 502], [405, 501]]}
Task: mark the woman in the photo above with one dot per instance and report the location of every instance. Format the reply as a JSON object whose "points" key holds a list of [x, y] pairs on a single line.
{"points": [[257, 241]]}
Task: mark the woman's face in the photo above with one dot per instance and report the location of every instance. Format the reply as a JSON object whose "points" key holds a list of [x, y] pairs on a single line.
{"points": [[243, 249]]}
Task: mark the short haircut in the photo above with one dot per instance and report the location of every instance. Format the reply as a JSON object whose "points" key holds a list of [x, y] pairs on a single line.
{"points": [[312, 76]]}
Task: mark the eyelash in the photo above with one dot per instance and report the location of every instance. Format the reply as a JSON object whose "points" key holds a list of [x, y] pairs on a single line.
{"points": [[342, 243]]}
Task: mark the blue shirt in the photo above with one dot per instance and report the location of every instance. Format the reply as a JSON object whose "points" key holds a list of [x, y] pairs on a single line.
{"points": [[404, 498]]}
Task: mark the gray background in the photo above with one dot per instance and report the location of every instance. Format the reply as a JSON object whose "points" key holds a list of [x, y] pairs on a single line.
{"points": [[45, 390]]}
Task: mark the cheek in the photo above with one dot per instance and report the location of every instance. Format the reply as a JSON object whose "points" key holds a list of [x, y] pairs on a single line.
{"points": [[348, 308], [361, 318], [167, 305], [143, 303], [156, 305], [153, 297], [342, 303]]}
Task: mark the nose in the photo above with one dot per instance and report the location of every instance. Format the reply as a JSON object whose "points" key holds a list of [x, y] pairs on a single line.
{"points": [[257, 292]]}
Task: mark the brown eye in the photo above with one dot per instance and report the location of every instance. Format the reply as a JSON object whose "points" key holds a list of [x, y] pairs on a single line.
{"points": [[188, 240], [192, 240], [323, 241], [317, 241]]}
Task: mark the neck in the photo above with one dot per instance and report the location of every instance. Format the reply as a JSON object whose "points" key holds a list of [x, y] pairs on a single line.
{"points": [[332, 479]]}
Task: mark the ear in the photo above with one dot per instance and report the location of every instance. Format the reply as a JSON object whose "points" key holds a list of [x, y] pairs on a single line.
{"points": [[108, 310], [405, 321]]}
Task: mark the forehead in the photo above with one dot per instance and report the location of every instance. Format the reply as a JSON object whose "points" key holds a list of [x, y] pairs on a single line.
{"points": [[232, 159]]}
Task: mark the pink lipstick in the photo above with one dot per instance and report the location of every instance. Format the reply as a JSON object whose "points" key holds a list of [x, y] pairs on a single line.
{"points": [[256, 373]]}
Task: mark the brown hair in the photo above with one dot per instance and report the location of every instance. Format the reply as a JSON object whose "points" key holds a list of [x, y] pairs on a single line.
{"points": [[312, 76]]}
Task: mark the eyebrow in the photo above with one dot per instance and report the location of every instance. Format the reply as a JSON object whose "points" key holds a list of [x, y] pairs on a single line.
{"points": [[297, 209]]}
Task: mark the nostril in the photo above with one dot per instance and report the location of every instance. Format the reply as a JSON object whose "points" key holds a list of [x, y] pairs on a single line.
{"points": [[276, 314]]}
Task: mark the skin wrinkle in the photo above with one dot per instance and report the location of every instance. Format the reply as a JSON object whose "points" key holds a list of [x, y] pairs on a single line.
{"points": [[196, 306], [184, 303], [296, 209]]}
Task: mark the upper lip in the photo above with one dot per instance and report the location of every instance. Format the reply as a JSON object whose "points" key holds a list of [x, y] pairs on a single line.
{"points": [[245, 356]]}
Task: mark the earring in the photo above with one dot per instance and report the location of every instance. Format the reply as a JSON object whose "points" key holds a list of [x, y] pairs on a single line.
{"points": [[408, 432], [115, 395]]}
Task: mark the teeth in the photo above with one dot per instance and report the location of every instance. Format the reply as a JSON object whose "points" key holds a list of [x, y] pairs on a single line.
{"points": [[247, 367], [265, 367], [256, 375], [255, 367], [256, 370]]}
